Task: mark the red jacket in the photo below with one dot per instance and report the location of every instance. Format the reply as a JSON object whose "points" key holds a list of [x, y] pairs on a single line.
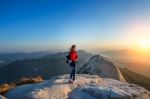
{"points": [[73, 56]]}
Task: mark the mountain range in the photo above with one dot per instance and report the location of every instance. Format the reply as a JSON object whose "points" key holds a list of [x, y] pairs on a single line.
{"points": [[50, 65], [98, 78], [130, 59], [46, 66], [6, 58]]}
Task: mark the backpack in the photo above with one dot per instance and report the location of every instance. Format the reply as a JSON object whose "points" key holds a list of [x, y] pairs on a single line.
{"points": [[68, 58]]}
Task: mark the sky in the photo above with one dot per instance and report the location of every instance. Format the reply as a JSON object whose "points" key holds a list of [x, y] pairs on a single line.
{"points": [[50, 25]]}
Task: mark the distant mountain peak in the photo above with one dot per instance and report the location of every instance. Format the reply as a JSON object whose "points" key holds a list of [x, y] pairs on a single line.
{"points": [[97, 57], [101, 66]]}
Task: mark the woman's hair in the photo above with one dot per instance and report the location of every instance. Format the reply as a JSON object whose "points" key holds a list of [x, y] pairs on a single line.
{"points": [[72, 47]]}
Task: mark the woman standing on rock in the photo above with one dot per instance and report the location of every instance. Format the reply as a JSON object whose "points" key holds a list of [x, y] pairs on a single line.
{"points": [[72, 59]]}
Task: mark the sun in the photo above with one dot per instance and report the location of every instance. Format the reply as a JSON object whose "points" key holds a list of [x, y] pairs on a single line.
{"points": [[144, 45]]}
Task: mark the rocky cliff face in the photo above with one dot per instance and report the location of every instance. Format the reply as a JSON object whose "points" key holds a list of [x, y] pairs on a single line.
{"points": [[101, 66], [86, 87]]}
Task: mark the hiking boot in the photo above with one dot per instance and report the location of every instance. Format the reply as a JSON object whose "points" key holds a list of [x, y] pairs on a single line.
{"points": [[70, 80], [74, 81]]}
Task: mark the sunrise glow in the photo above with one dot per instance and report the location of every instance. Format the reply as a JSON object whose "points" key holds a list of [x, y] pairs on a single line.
{"points": [[144, 46]]}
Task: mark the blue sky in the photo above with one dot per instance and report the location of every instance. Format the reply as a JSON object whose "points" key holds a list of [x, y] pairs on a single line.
{"points": [[39, 25]]}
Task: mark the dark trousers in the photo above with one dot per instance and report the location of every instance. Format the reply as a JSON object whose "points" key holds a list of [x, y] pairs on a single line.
{"points": [[73, 70]]}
